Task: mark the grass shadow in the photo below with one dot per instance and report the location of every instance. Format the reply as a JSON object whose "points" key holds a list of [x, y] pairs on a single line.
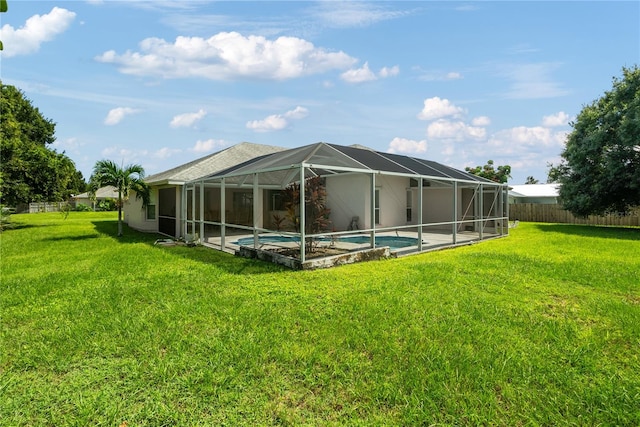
{"points": [[21, 226], [72, 238], [230, 263], [602, 232], [110, 228]]}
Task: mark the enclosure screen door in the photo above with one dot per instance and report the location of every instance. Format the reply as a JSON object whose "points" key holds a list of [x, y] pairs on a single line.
{"points": [[167, 211]]}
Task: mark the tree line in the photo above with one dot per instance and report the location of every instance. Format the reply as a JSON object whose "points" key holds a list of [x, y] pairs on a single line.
{"points": [[31, 171]]}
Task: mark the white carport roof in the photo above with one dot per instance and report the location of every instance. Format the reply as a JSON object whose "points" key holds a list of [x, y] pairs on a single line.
{"points": [[534, 190]]}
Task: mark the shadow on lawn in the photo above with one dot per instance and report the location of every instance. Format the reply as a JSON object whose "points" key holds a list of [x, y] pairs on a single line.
{"points": [[73, 238], [110, 228], [603, 232], [231, 264]]}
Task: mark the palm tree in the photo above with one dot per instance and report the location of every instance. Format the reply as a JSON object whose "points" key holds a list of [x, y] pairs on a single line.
{"points": [[125, 180]]}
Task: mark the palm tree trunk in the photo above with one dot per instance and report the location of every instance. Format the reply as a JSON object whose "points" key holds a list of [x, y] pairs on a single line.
{"points": [[119, 213]]}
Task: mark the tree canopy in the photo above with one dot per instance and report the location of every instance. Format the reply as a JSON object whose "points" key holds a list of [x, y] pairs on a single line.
{"points": [[500, 174], [600, 168], [124, 179], [31, 171]]}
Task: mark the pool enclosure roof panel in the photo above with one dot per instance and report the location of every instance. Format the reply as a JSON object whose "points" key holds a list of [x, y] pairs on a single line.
{"points": [[324, 159]]}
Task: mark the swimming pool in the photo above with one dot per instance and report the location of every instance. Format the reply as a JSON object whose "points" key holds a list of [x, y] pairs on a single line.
{"points": [[394, 242]]}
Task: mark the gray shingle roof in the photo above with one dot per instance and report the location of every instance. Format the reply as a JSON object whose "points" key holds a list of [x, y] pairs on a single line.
{"points": [[212, 163]]}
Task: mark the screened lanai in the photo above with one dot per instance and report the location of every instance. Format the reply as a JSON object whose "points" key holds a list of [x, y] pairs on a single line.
{"points": [[323, 200]]}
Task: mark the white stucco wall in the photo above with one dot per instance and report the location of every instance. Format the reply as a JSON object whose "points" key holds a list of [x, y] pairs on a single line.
{"points": [[136, 216], [349, 195], [437, 205], [393, 200]]}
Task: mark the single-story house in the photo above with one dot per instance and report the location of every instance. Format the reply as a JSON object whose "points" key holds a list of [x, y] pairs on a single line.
{"points": [[534, 193], [365, 194], [103, 193], [163, 214]]}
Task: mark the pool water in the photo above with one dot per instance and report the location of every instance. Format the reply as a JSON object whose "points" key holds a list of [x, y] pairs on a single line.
{"points": [[394, 242]]}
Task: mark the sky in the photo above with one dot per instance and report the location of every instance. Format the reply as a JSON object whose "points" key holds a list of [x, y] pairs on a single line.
{"points": [[161, 83]]}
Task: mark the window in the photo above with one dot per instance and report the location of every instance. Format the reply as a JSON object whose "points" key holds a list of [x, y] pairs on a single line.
{"points": [[151, 212], [409, 204], [376, 206], [277, 200], [242, 201]]}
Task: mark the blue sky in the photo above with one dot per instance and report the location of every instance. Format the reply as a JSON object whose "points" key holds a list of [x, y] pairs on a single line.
{"points": [[162, 83]]}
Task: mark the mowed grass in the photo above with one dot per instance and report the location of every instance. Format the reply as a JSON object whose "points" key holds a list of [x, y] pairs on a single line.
{"points": [[540, 328]]}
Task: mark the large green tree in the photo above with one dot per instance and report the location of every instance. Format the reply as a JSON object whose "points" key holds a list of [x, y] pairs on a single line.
{"points": [[489, 171], [124, 179], [31, 171], [600, 168]]}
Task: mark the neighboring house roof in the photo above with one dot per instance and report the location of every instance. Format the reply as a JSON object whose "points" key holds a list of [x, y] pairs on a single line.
{"points": [[534, 190], [211, 164], [108, 192], [330, 158]]}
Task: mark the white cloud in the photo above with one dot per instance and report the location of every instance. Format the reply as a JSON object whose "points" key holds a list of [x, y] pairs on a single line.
{"points": [[116, 115], [440, 76], [208, 145], [522, 138], [126, 155], [187, 119], [481, 121], [271, 123], [297, 113], [277, 121], [402, 145], [389, 72], [348, 14], [459, 131], [364, 74], [532, 81], [435, 108], [228, 56], [359, 75], [36, 30], [554, 120], [67, 144], [165, 152]]}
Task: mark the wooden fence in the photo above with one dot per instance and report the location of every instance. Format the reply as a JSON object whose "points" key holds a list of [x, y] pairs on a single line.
{"points": [[36, 207], [536, 212]]}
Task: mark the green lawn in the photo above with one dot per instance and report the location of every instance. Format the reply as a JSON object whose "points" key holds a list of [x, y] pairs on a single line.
{"points": [[540, 328]]}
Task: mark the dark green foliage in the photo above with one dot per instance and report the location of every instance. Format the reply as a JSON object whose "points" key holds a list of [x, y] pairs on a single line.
{"points": [[3, 8], [488, 171], [107, 205], [600, 170], [31, 171], [531, 180], [82, 208]]}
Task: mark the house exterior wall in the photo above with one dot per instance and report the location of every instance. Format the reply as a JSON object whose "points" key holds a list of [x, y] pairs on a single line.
{"points": [[437, 206], [393, 200], [84, 201], [135, 215], [348, 196]]}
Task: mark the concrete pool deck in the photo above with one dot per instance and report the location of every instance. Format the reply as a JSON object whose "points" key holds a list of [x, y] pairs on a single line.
{"points": [[430, 241]]}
